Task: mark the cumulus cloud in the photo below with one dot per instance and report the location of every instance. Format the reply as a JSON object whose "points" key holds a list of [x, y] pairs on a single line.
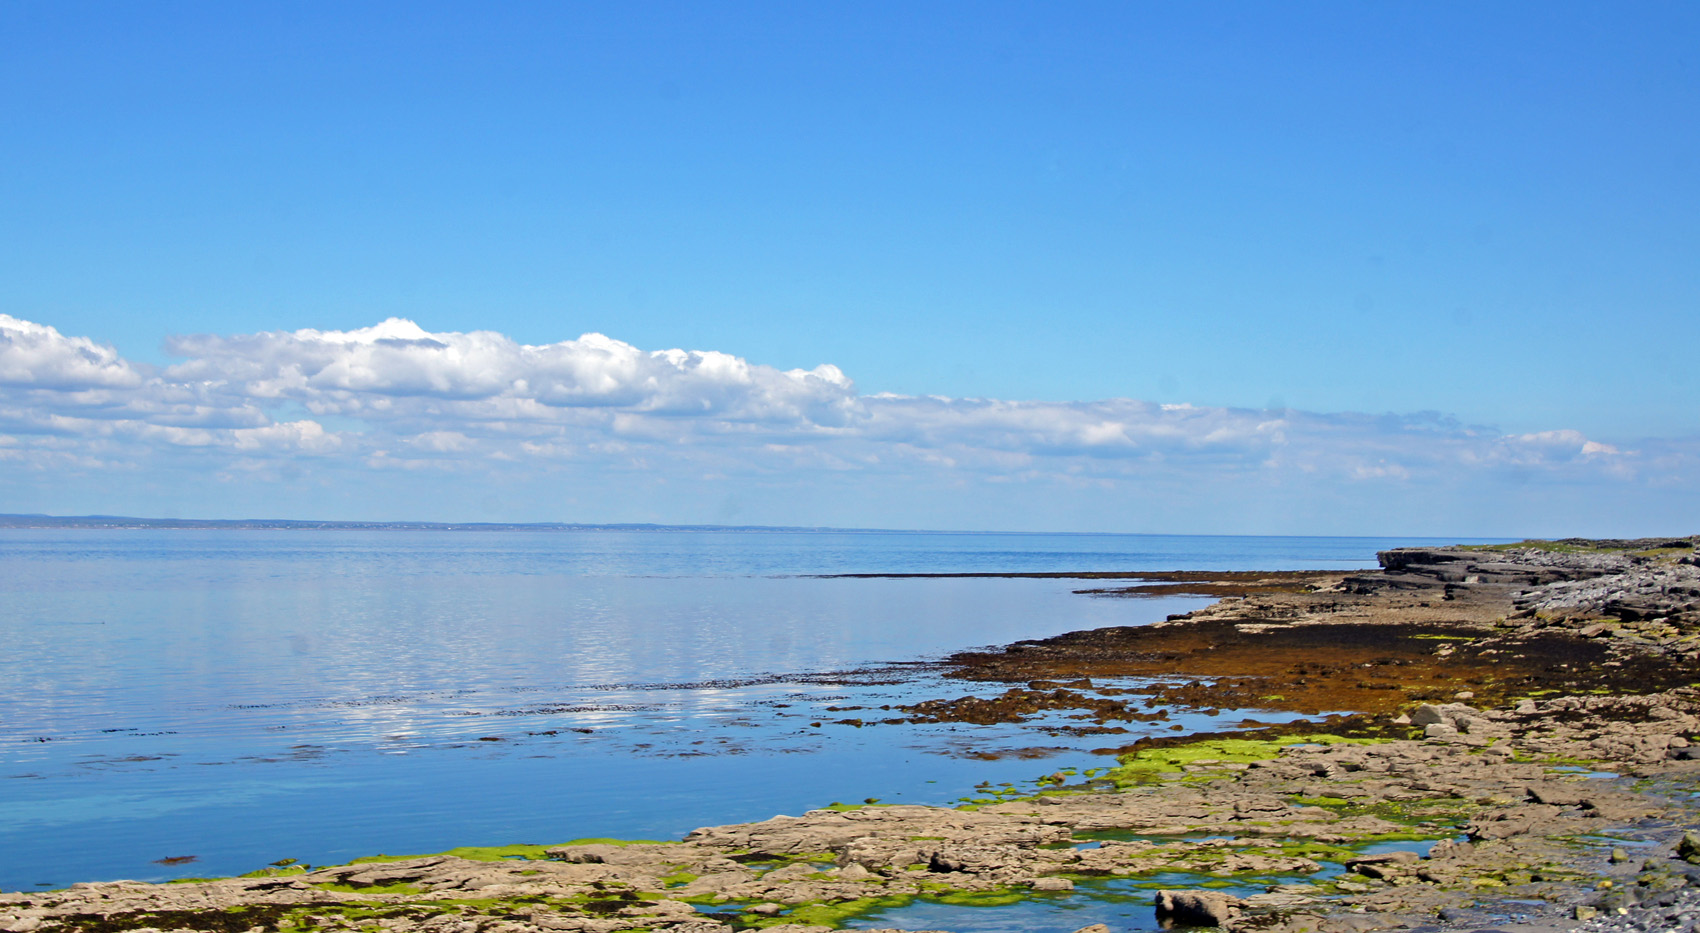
{"points": [[396, 395]]}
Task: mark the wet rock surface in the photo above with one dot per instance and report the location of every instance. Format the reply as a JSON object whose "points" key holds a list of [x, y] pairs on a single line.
{"points": [[1519, 757]]}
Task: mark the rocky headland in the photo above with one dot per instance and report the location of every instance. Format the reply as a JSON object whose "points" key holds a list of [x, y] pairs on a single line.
{"points": [[1495, 738]]}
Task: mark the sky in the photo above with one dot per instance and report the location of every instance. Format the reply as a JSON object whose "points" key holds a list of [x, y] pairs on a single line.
{"points": [[1306, 268]]}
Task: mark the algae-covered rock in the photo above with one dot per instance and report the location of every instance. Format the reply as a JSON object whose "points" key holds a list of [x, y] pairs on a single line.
{"points": [[1688, 848]]}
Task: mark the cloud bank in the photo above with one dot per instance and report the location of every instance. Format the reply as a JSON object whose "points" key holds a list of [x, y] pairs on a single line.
{"points": [[479, 407]]}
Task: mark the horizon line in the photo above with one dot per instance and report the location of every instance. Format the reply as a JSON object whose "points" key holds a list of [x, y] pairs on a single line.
{"points": [[43, 521]]}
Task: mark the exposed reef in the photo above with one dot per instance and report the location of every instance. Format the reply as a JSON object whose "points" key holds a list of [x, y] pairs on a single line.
{"points": [[1497, 735]]}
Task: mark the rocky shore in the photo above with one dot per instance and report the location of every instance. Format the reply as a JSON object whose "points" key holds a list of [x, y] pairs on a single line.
{"points": [[1502, 738]]}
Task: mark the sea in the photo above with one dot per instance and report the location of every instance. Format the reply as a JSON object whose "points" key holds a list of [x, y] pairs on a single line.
{"points": [[201, 703]]}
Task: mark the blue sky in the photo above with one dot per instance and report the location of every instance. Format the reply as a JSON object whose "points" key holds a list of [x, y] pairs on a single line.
{"points": [[1479, 218]]}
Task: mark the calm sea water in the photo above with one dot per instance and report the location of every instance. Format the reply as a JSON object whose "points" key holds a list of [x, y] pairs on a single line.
{"points": [[247, 696]]}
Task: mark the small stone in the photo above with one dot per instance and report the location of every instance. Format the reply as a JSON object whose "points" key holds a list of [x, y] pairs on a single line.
{"points": [[1618, 857], [1584, 912], [1094, 928], [768, 909], [1464, 695], [1053, 884]]}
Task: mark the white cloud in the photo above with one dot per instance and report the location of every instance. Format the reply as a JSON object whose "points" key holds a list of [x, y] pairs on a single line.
{"points": [[395, 395], [37, 356], [397, 366]]}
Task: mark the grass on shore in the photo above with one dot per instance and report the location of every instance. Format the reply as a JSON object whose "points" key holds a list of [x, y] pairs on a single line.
{"points": [[1647, 547]]}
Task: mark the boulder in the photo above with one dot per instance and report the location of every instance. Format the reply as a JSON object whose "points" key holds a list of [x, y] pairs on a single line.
{"points": [[855, 872], [1458, 716], [1688, 849], [796, 871], [1556, 794], [1386, 867], [974, 859], [1427, 715], [1196, 908], [590, 854], [1450, 848]]}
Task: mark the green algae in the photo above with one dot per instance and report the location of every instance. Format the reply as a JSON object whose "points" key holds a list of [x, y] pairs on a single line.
{"points": [[502, 853], [470, 853], [679, 879], [1432, 811], [1327, 802], [398, 888], [1151, 765], [1302, 848], [833, 913], [277, 872], [836, 913]]}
